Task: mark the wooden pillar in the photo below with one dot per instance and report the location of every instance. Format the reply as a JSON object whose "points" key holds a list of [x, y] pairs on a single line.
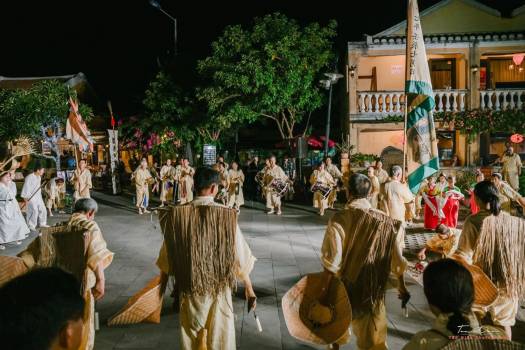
{"points": [[474, 61]]}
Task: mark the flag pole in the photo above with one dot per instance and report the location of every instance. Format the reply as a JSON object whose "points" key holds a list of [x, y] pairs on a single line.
{"points": [[406, 97]]}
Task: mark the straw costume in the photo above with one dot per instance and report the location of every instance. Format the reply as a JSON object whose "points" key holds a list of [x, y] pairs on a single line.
{"points": [[205, 251], [360, 247], [273, 199], [496, 244], [76, 246]]}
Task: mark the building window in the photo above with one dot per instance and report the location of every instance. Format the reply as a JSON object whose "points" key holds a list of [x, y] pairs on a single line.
{"points": [[499, 142], [446, 146], [443, 73]]}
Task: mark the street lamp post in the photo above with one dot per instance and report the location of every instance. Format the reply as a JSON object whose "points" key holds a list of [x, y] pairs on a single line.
{"points": [[327, 84], [156, 4]]}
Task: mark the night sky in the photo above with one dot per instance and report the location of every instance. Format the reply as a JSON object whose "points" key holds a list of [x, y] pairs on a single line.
{"points": [[118, 44]]}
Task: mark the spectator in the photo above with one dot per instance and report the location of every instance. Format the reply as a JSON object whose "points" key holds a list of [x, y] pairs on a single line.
{"points": [[449, 289], [41, 310]]}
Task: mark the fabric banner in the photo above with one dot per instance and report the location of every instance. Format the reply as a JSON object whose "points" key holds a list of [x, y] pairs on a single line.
{"points": [[422, 152], [77, 130], [113, 158]]}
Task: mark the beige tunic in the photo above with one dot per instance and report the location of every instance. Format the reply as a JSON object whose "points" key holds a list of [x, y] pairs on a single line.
{"points": [[142, 178], [507, 195], [325, 179], [166, 176], [97, 253], [374, 192], [396, 196], [235, 183], [273, 200], [82, 183], [511, 170], [186, 184], [370, 329], [505, 308], [216, 314], [382, 175], [439, 335]]}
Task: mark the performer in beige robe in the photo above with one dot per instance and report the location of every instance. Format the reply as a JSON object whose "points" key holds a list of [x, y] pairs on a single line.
{"points": [[186, 182], [345, 248], [98, 259], [167, 173], [51, 194], [506, 193], [273, 200], [382, 174], [322, 177], [82, 181], [236, 182], [511, 170], [396, 197], [210, 319], [142, 178], [373, 197], [493, 240], [337, 175]]}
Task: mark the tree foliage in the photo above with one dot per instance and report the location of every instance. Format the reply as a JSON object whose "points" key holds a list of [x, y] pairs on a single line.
{"points": [[269, 71], [165, 125], [25, 112]]}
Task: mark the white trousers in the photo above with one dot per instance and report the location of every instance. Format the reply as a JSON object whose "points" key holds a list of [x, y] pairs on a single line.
{"points": [[36, 214]]}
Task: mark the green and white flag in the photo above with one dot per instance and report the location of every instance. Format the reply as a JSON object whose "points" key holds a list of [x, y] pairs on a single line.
{"points": [[421, 143]]}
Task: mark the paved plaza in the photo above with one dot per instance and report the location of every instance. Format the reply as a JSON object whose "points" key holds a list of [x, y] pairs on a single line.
{"points": [[287, 248]]}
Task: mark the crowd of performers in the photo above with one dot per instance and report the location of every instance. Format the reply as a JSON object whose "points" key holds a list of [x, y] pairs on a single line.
{"points": [[204, 253], [40, 197]]}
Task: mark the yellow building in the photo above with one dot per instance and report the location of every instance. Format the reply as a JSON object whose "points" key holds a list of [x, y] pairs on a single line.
{"points": [[476, 61]]}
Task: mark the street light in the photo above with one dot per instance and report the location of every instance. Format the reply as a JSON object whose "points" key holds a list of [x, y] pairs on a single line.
{"points": [[156, 4], [327, 84]]}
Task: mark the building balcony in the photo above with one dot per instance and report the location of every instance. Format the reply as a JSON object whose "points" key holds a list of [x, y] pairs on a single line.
{"points": [[376, 105]]}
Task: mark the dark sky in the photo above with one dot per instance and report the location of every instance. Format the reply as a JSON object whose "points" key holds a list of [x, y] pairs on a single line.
{"points": [[117, 43]]}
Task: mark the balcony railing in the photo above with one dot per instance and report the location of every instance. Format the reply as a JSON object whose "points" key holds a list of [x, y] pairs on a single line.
{"points": [[383, 103], [502, 99]]}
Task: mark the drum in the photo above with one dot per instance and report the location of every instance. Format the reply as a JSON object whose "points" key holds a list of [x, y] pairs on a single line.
{"points": [[279, 186], [322, 188]]}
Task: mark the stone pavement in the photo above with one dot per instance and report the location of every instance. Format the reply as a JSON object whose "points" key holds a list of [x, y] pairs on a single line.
{"points": [[286, 247]]}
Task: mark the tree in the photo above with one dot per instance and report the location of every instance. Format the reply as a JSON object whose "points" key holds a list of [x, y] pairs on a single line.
{"points": [[166, 124], [270, 71], [26, 112]]}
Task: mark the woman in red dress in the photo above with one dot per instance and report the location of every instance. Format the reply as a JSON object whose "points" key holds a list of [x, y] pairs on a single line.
{"points": [[453, 195], [433, 212], [473, 206]]}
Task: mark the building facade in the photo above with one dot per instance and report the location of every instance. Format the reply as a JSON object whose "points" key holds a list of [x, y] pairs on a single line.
{"points": [[476, 62]]}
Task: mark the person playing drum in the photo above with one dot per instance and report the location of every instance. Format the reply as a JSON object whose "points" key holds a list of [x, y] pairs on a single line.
{"points": [[322, 185], [337, 175], [273, 178]]}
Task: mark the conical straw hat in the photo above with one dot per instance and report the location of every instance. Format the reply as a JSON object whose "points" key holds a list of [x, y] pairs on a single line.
{"points": [[304, 315], [145, 306], [485, 292]]}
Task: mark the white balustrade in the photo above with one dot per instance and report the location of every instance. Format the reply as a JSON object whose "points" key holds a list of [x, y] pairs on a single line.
{"points": [[502, 99], [384, 103]]}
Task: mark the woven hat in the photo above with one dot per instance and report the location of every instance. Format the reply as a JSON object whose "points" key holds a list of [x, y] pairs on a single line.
{"points": [[483, 344], [308, 320], [485, 292], [11, 267], [145, 306]]}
